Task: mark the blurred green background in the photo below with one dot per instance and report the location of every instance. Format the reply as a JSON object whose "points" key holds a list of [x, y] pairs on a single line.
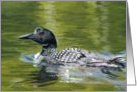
{"points": [[91, 25]]}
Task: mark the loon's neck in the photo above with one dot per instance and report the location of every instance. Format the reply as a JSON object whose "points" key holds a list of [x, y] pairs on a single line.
{"points": [[47, 50]]}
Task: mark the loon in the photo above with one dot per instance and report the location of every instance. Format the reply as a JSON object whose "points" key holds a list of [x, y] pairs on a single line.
{"points": [[68, 56]]}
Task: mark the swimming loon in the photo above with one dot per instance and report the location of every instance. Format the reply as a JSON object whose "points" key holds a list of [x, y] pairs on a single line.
{"points": [[68, 56]]}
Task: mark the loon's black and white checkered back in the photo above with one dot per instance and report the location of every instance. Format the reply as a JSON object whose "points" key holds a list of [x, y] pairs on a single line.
{"points": [[78, 57], [68, 55]]}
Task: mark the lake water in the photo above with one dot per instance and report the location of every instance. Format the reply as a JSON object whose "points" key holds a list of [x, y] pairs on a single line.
{"points": [[91, 25]]}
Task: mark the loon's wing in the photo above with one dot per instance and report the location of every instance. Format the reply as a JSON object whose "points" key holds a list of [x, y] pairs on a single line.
{"points": [[69, 55], [77, 56]]}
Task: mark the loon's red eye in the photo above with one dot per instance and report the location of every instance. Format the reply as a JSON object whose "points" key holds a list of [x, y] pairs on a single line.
{"points": [[41, 33]]}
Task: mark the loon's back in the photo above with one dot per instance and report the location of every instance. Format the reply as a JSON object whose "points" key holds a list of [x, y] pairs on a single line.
{"points": [[69, 55], [79, 57]]}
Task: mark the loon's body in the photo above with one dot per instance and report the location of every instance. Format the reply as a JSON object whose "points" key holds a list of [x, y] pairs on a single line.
{"points": [[69, 56], [75, 57]]}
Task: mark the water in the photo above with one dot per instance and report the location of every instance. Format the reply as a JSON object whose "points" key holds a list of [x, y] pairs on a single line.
{"points": [[91, 25], [76, 74]]}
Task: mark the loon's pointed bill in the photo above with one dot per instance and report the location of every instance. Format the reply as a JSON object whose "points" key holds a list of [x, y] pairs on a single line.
{"points": [[27, 36]]}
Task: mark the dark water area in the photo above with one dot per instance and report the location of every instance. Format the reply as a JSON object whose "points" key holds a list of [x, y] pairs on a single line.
{"points": [[91, 25]]}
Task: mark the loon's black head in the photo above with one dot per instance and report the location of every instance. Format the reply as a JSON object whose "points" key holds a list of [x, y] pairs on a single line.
{"points": [[42, 36]]}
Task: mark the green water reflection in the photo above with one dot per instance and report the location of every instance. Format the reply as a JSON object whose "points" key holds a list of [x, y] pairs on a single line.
{"points": [[92, 25]]}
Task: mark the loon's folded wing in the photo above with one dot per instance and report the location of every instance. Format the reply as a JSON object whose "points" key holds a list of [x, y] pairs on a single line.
{"points": [[70, 55]]}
